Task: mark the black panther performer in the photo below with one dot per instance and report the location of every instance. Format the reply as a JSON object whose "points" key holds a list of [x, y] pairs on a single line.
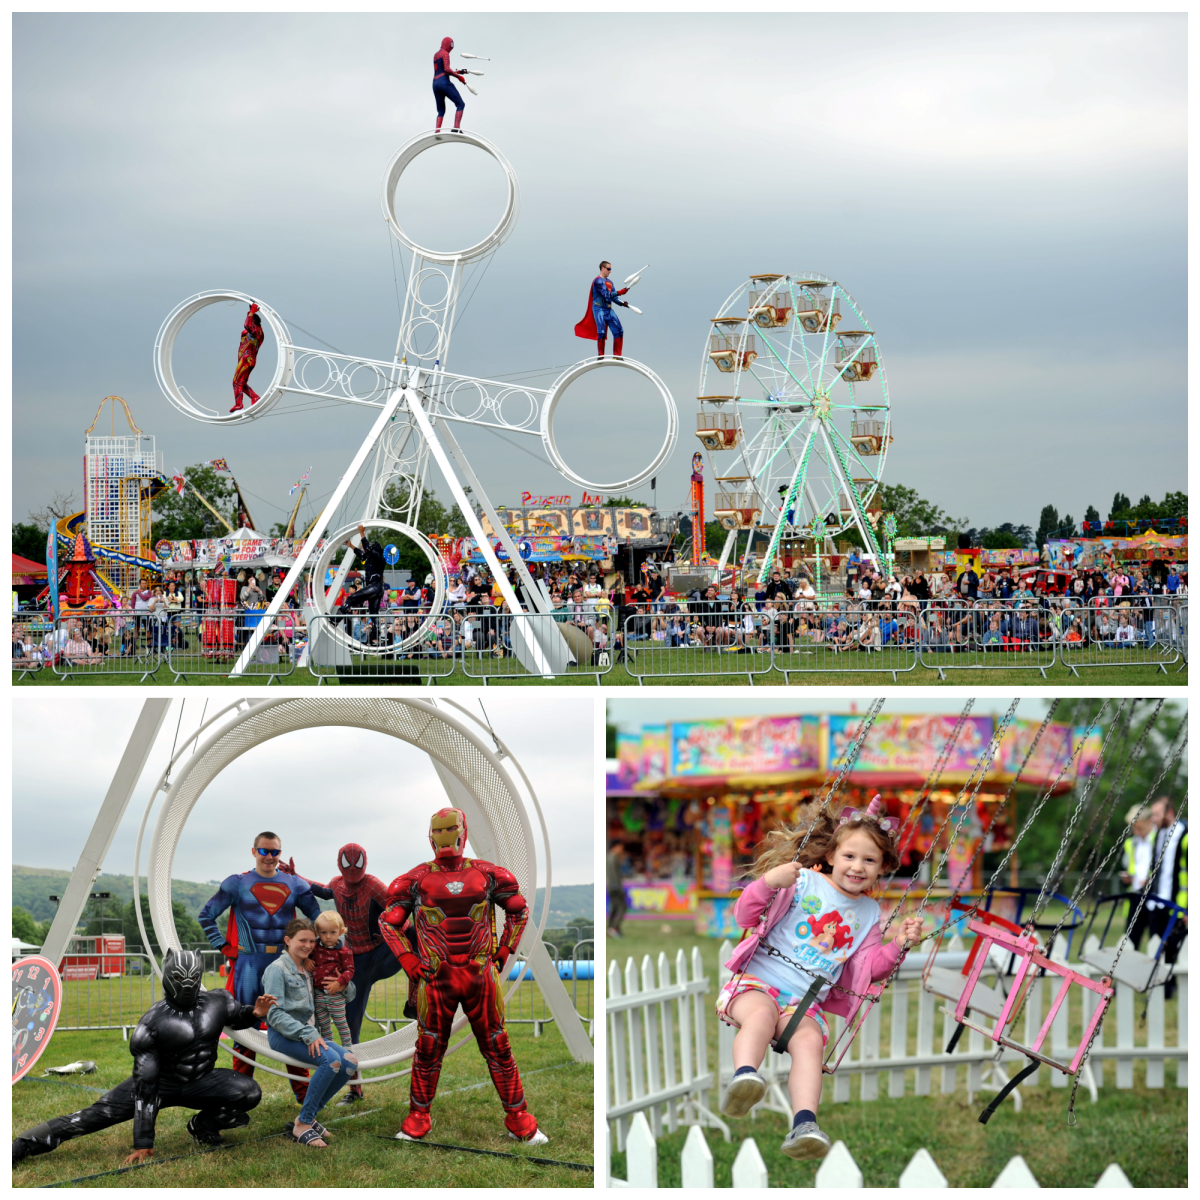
{"points": [[174, 1048], [370, 555]]}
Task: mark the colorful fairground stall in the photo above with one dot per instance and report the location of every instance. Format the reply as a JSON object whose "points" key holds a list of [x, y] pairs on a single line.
{"points": [[690, 801]]}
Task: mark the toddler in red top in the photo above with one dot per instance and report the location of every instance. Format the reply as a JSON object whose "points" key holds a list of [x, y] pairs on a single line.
{"points": [[333, 970]]}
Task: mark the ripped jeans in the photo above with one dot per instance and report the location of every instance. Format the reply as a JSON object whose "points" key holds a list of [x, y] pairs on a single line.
{"points": [[328, 1078]]}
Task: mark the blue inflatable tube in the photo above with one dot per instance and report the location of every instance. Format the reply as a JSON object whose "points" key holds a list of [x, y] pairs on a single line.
{"points": [[585, 969]]}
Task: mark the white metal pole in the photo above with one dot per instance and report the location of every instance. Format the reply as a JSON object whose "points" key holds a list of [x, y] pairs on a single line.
{"points": [[116, 800], [310, 546]]}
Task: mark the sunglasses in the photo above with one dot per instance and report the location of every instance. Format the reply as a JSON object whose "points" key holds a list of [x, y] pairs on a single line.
{"points": [[265, 853]]}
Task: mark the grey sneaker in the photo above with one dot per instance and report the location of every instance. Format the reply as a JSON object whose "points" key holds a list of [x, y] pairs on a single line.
{"points": [[806, 1141], [744, 1093]]}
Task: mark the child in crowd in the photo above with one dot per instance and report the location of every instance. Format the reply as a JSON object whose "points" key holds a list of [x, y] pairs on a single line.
{"points": [[813, 924], [333, 972]]}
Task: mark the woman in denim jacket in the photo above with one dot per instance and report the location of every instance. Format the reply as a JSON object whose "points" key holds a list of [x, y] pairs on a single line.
{"points": [[291, 1031]]}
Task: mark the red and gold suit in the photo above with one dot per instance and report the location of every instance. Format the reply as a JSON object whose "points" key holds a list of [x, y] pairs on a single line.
{"points": [[248, 347], [451, 952]]}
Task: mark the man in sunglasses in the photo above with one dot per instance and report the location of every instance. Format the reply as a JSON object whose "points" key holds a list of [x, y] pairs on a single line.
{"points": [[599, 318], [260, 902]]}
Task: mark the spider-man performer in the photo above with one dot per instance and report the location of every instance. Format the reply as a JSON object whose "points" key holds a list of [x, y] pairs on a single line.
{"points": [[262, 902], [370, 555], [360, 900], [600, 318], [248, 347], [453, 955], [174, 1050], [443, 89]]}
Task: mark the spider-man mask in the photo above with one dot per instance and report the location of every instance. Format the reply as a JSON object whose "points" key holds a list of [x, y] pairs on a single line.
{"points": [[352, 862], [448, 833]]}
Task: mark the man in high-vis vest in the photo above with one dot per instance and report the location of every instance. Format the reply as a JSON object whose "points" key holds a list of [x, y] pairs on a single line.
{"points": [[1171, 881], [1137, 857]]}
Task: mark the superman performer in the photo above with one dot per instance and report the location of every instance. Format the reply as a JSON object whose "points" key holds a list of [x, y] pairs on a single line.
{"points": [[443, 89], [252, 339], [600, 318], [262, 902], [360, 900], [454, 957]]}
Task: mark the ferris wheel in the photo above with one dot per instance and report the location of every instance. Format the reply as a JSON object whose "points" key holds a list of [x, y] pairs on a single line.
{"points": [[794, 413]]}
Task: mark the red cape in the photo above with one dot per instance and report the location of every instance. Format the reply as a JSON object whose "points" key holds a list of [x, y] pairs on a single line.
{"points": [[232, 938], [587, 327]]}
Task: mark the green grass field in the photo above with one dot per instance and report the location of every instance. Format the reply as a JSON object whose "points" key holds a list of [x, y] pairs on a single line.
{"points": [[1104, 676], [1142, 1129], [364, 1153]]}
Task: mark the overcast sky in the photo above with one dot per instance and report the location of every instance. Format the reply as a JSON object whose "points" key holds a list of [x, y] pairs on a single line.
{"points": [[1004, 195], [318, 789]]}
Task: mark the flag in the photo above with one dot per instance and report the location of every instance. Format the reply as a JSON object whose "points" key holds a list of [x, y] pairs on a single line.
{"points": [[300, 482], [179, 482], [218, 464]]}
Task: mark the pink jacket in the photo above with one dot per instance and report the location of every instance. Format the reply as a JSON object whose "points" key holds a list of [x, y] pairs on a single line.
{"points": [[761, 907]]}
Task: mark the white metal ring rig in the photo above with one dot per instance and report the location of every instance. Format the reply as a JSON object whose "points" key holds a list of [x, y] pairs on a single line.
{"points": [[419, 401], [486, 782]]}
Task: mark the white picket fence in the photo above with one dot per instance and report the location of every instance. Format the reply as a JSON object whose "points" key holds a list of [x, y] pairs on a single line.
{"points": [[837, 1170], [658, 1061]]}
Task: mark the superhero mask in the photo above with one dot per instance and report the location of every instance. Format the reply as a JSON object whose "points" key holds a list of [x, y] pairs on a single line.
{"points": [[181, 975], [352, 862], [448, 833]]}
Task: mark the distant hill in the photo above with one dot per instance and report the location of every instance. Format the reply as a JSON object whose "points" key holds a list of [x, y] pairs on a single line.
{"points": [[32, 885]]}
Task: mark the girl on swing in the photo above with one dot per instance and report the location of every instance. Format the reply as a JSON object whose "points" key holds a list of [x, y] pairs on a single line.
{"points": [[812, 925]]}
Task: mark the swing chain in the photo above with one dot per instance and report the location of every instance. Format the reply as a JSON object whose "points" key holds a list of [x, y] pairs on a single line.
{"points": [[931, 782], [1084, 802]]}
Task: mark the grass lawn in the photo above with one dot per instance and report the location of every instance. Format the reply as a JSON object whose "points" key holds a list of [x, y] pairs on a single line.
{"points": [[1142, 1129], [466, 1112], [1105, 676]]}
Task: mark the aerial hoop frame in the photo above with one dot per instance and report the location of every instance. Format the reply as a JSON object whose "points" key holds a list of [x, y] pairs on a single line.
{"points": [[559, 387], [321, 597], [426, 141], [489, 796], [164, 349]]}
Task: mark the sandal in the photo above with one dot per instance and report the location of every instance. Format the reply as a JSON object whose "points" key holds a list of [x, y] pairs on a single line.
{"points": [[308, 1137], [322, 1132]]}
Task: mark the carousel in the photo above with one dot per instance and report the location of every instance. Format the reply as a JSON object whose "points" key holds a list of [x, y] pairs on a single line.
{"points": [[689, 802]]}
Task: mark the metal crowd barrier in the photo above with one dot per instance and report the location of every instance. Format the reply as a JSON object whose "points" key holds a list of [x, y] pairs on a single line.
{"points": [[720, 643], [113, 1000], [832, 635], [527, 1005], [584, 989], [1126, 635], [486, 641], [332, 654], [209, 643], [988, 635]]}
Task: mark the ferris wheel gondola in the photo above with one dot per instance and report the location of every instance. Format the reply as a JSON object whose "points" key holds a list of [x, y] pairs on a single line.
{"points": [[792, 382]]}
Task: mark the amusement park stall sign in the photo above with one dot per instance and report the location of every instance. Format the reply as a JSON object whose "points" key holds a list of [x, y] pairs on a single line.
{"points": [[532, 547], [744, 746], [909, 743]]}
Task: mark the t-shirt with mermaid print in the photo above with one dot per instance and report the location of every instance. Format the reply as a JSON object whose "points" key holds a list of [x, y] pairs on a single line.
{"points": [[819, 931]]}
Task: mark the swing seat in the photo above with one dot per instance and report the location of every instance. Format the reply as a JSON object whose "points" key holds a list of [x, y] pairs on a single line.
{"points": [[1024, 946], [949, 985], [1139, 971]]}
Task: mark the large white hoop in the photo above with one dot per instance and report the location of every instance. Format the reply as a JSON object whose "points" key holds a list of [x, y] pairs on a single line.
{"points": [[565, 380], [164, 348], [321, 598], [500, 829], [426, 141]]}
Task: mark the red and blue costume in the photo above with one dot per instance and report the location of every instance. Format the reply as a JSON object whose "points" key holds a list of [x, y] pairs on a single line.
{"points": [[443, 89], [360, 900], [453, 955], [600, 318], [248, 347], [260, 909]]}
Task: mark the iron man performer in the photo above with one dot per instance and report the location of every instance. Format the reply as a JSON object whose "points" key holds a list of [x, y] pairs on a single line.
{"points": [[248, 347], [452, 952]]}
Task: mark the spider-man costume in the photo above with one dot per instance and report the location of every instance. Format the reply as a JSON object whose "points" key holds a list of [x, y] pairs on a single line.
{"points": [[360, 900], [261, 908], [252, 339], [443, 89], [457, 960], [600, 318]]}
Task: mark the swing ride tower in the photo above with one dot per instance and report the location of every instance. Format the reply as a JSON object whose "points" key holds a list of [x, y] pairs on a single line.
{"points": [[418, 403]]}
